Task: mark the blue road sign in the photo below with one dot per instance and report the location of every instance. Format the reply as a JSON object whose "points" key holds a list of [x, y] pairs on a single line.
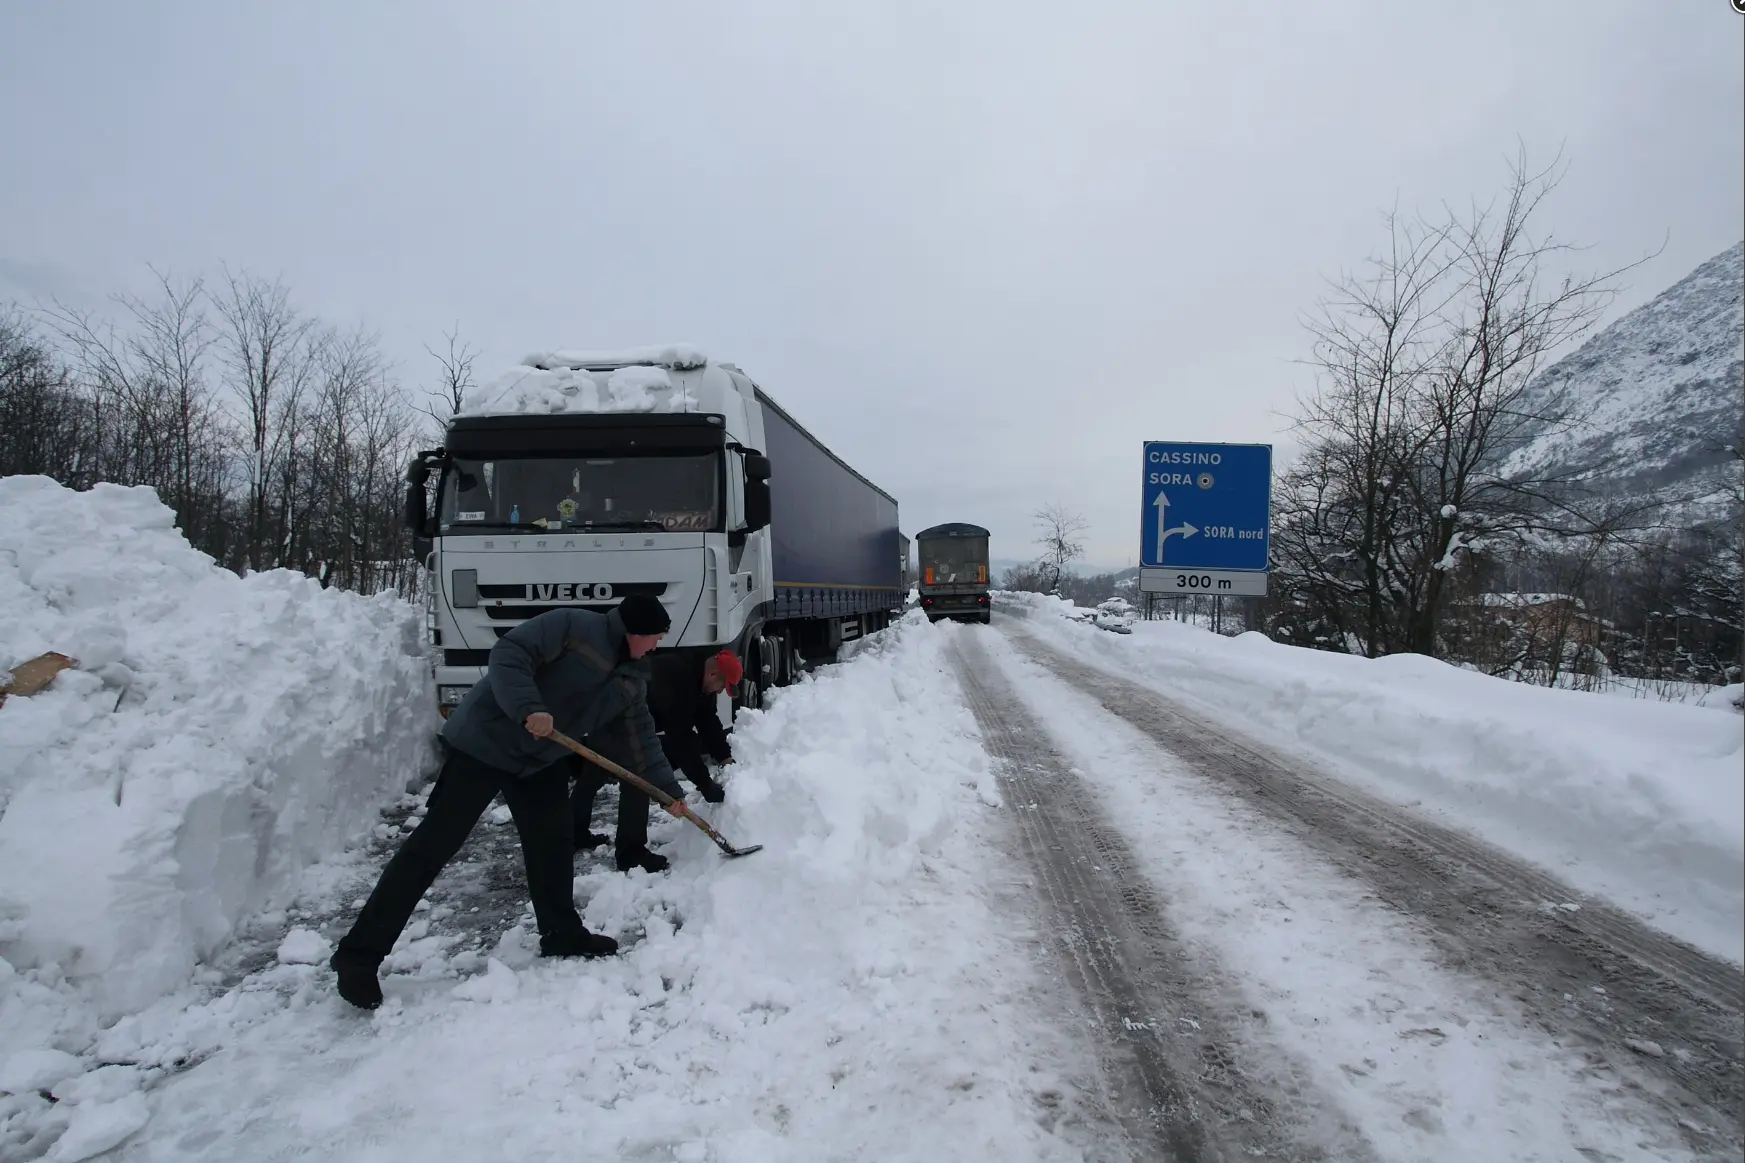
{"points": [[1207, 506]]}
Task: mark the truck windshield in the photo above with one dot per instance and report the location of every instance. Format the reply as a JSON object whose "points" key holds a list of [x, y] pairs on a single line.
{"points": [[669, 493], [952, 560]]}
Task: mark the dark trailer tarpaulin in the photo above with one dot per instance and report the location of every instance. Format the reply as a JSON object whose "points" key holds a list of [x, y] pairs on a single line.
{"points": [[836, 548]]}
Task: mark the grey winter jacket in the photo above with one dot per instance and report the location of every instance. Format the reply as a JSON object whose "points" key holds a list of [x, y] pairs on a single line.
{"points": [[572, 665]]}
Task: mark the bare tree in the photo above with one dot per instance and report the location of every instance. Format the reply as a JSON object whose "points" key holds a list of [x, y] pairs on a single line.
{"points": [[456, 378], [155, 420], [1372, 341], [1479, 399], [171, 339], [306, 477], [46, 426], [1058, 533], [268, 347], [1427, 379]]}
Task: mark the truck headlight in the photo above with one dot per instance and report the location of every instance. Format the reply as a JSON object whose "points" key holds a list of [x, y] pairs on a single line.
{"points": [[450, 696]]}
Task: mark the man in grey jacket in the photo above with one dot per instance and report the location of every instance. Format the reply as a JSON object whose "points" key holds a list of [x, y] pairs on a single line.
{"points": [[570, 670]]}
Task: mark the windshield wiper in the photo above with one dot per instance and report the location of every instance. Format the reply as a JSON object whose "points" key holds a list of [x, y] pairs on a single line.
{"points": [[618, 527]]}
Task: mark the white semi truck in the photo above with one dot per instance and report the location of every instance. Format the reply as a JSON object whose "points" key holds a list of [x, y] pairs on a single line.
{"points": [[581, 477]]}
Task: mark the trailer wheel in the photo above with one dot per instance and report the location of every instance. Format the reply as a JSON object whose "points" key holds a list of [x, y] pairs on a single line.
{"points": [[760, 671]]}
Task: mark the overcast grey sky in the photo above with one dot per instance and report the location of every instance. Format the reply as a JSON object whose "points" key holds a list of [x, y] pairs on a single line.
{"points": [[982, 252]]}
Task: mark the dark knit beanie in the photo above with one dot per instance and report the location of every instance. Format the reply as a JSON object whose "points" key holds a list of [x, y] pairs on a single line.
{"points": [[643, 614]]}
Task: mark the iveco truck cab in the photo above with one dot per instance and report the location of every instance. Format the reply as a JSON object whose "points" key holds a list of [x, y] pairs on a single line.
{"points": [[579, 478]]}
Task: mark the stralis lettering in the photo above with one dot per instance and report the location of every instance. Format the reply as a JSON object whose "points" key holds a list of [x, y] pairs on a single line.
{"points": [[1158, 457], [570, 592]]}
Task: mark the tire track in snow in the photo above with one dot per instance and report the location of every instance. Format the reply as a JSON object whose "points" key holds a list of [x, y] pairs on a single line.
{"points": [[1170, 1035], [1598, 978]]}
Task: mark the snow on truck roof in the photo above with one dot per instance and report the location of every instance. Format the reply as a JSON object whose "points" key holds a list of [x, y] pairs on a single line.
{"points": [[632, 379], [677, 356]]}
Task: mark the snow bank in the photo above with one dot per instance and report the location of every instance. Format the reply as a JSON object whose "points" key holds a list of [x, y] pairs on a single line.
{"points": [[219, 735], [1640, 802]]}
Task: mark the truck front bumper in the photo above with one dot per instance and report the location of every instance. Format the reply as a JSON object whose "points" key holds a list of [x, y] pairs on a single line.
{"points": [[452, 685]]}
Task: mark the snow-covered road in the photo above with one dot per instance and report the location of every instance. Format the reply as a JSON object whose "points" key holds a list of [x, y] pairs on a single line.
{"points": [[1019, 901], [1417, 981]]}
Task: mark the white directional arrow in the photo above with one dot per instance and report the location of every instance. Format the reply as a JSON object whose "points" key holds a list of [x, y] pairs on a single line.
{"points": [[1186, 529]]}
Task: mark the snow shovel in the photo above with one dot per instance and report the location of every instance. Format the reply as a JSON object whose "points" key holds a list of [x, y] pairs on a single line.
{"points": [[31, 676], [654, 793]]}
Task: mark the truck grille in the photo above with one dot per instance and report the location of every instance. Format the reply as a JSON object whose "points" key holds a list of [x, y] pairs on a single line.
{"points": [[466, 658], [518, 592], [522, 613]]}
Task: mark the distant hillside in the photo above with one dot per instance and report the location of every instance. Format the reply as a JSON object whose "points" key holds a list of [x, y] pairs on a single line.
{"points": [[1661, 392]]}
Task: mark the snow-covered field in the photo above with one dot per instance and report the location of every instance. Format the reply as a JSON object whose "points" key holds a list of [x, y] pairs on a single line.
{"points": [[1641, 802]]}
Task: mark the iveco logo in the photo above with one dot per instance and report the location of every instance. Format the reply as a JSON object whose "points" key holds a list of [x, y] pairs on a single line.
{"points": [[571, 592]]}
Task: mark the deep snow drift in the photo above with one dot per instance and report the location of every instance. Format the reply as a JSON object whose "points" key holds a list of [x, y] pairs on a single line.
{"points": [[219, 735], [1636, 801]]}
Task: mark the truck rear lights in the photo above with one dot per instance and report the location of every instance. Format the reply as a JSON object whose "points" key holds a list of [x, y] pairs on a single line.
{"points": [[450, 696]]}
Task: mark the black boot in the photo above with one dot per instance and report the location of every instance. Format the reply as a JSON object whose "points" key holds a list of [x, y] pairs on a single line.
{"points": [[588, 841], [588, 945], [712, 792], [357, 980], [643, 859]]}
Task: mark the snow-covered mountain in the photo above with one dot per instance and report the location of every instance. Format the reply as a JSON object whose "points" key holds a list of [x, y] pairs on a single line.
{"points": [[1660, 393]]}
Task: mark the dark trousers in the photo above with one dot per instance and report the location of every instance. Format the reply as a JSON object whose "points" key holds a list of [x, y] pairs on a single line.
{"points": [[632, 834], [464, 789]]}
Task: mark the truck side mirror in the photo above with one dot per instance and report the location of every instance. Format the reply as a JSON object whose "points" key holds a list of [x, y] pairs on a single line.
{"points": [[757, 492], [757, 505], [416, 511]]}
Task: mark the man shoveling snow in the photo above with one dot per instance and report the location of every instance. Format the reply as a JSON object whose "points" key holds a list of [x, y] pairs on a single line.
{"points": [[572, 671], [681, 698]]}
